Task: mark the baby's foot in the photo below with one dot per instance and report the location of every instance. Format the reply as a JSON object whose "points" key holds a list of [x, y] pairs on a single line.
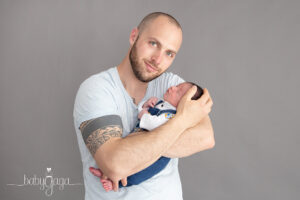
{"points": [[96, 172], [107, 184]]}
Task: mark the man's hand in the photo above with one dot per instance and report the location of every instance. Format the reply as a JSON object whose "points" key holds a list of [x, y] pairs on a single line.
{"points": [[193, 111]]}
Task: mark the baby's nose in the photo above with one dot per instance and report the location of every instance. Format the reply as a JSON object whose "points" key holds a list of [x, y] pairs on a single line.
{"points": [[173, 87]]}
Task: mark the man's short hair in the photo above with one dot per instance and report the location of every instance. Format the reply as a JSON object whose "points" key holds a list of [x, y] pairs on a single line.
{"points": [[150, 17]]}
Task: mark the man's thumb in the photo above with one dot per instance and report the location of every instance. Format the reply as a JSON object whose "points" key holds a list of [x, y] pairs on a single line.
{"points": [[191, 92]]}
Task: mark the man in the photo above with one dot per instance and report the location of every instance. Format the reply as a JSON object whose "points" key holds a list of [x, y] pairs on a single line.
{"points": [[105, 112]]}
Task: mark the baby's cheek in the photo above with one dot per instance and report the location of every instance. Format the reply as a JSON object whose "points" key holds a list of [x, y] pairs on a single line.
{"points": [[177, 100]]}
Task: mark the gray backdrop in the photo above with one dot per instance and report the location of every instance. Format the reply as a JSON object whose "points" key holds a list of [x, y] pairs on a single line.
{"points": [[245, 52]]}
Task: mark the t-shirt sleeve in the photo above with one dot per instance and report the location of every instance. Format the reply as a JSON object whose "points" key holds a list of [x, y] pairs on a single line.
{"points": [[94, 99]]}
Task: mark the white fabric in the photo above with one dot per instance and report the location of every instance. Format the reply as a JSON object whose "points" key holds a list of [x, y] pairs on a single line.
{"points": [[140, 106], [103, 94], [150, 122]]}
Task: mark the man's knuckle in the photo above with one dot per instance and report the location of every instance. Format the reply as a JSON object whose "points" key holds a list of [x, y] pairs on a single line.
{"points": [[208, 109]]}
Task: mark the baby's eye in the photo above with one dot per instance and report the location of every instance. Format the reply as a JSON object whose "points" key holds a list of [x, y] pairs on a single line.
{"points": [[153, 43]]}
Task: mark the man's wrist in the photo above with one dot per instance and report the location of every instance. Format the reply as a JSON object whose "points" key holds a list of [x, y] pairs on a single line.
{"points": [[178, 121]]}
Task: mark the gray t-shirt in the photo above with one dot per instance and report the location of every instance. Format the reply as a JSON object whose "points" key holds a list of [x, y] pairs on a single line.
{"points": [[104, 94]]}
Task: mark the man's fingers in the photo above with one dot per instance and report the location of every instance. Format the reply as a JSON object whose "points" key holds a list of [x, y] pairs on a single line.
{"points": [[209, 99], [124, 181], [104, 177], [204, 98], [115, 185], [191, 92], [209, 102], [208, 105]]}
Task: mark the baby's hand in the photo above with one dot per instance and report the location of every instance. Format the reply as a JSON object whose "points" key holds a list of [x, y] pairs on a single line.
{"points": [[150, 102]]}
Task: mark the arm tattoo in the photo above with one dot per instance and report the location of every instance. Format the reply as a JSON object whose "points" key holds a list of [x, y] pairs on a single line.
{"points": [[100, 136], [84, 124], [138, 130], [96, 132]]}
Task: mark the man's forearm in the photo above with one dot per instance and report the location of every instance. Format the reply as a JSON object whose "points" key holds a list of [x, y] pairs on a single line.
{"points": [[193, 140], [121, 157]]}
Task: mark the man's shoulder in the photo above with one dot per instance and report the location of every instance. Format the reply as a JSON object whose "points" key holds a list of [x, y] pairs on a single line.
{"points": [[103, 76], [104, 79], [95, 88], [95, 97]]}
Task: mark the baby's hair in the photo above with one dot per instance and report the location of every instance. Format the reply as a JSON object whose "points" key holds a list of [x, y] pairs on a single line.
{"points": [[198, 93]]}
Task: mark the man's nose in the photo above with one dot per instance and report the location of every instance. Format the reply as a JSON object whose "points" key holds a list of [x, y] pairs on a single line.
{"points": [[157, 57]]}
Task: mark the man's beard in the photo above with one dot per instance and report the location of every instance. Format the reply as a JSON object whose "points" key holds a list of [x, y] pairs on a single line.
{"points": [[137, 67]]}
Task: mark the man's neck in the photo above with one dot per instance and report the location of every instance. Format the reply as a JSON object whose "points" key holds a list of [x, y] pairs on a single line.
{"points": [[135, 88]]}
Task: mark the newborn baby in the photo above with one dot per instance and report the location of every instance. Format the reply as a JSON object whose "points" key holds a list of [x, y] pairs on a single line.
{"points": [[153, 113]]}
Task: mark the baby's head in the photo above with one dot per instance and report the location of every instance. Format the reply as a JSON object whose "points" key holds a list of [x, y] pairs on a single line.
{"points": [[175, 93]]}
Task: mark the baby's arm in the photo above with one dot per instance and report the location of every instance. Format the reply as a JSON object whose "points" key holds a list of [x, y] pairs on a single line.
{"points": [[150, 122], [149, 103]]}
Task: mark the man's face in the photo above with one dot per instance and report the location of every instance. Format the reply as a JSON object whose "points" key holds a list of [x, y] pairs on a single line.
{"points": [[155, 48], [175, 93]]}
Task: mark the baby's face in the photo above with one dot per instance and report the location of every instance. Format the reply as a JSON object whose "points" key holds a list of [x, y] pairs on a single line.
{"points": [[175, 93]]}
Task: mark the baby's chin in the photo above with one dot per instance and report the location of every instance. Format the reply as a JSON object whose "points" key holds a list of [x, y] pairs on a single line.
{"points": [[175, 104], [166, 98]]}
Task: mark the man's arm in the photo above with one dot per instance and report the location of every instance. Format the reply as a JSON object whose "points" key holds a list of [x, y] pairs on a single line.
{"points": [[120, 157], [191, 141]]}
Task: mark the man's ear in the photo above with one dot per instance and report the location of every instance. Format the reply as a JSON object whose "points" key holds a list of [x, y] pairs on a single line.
{"points": [[133, 36]]}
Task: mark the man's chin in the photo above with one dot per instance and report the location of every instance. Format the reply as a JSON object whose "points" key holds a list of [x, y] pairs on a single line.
{"points": [[150, 78], [145, 76]]}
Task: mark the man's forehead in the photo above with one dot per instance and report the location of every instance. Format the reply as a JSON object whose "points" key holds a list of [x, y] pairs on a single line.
{"points": [[166, 32]]}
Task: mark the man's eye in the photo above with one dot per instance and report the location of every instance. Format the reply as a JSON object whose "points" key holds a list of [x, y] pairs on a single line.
{"points": [[153, 43], [170, 54]]}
